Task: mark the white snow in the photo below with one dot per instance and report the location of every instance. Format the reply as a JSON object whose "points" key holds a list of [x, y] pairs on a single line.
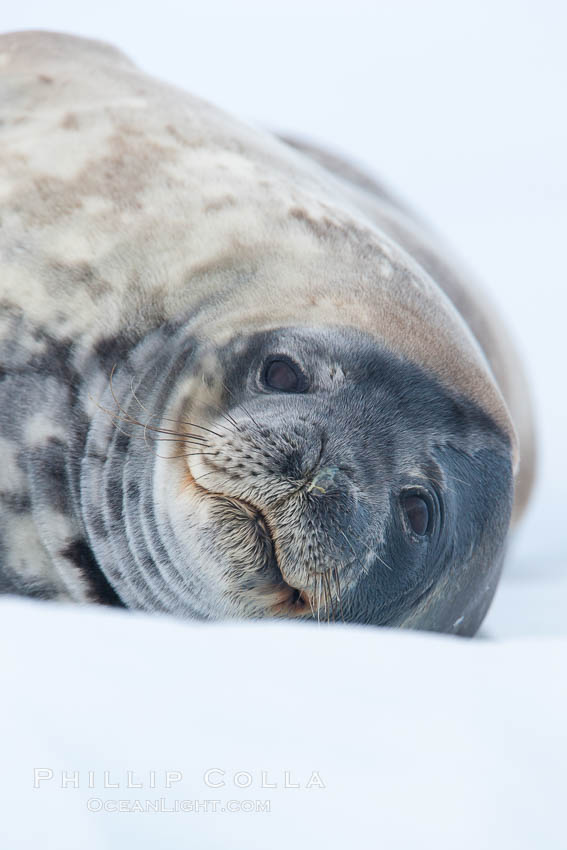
{"points": [[419, 740]]}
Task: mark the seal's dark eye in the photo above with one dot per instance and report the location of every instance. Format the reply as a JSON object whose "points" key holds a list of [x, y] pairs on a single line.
{"points": [[282, 375], [417, 512]]}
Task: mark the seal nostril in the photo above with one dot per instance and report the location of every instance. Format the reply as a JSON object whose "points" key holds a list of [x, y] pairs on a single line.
{"points": [[324, 479]]}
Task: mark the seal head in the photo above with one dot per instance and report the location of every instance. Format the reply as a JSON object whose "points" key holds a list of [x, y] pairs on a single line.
{"points": [[377, 495], [300, 472]]}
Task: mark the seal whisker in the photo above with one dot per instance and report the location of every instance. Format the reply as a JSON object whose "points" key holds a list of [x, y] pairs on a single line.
{"points": [[184, 422], [356, 558], [170, 457], [382, 561], [239, 404], [156, 416], [195, 454], [179, 438], [188, 440], [202, 427], [154, 429], [329, 606], [224, 414], [368, 549], [129, 419], [182, 435], [309, 599], [204, 475], [135, 397], [184, 454], [185, 441], [329, 596], [444, 486], [116, 421], [133, 392], [338, 591], [376, 555]]}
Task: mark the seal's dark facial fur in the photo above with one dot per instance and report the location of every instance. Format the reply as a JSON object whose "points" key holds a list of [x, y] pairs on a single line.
{"points": [[330, 464]]}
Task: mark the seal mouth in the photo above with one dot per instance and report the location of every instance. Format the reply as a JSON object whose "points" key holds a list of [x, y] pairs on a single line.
{"points": [[296, 602], [291, 601]]}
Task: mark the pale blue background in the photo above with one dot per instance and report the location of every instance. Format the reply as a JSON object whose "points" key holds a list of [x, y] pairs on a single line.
{"points": [[460, 107]]}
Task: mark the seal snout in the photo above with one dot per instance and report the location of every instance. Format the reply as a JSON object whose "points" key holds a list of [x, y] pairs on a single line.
{"points": [[296, 505]]}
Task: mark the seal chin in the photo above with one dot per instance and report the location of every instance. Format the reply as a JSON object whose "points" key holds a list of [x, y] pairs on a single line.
{"points": [[279, 596], [295, 601], [262, 584]]}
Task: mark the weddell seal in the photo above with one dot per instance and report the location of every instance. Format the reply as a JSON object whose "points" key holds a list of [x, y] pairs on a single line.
{"points": [[237, 378]]}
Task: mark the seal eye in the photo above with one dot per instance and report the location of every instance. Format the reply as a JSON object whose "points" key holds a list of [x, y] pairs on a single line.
{"points": [[282, 375], [418, 513]]}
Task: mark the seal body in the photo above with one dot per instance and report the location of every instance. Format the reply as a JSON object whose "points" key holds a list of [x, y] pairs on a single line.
{"points": [[237, 378]]}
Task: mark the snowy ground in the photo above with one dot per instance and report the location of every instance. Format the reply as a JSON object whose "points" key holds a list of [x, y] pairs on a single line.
{"points": [[405, 740], [420, 740]]}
